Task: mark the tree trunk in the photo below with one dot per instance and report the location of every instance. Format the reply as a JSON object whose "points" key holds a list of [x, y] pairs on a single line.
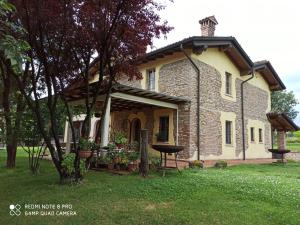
{"points": [[11, 155], [144, 166]]}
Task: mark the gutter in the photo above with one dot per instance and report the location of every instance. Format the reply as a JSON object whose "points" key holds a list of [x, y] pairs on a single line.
{"points": [[198, 98], [242, 109]]}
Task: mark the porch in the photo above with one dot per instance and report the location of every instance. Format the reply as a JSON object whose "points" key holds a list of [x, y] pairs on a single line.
{"points": [[129, 110]]}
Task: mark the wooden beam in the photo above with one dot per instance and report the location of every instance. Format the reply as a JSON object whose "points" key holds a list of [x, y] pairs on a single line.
{"points": [[144, 100]]}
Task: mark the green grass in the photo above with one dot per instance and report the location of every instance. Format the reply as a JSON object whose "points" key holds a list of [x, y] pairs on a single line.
{"points": [[247, 194], [293, 146]]}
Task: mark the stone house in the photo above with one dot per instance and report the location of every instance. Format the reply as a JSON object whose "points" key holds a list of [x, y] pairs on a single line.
{"points": [[203, 92]]}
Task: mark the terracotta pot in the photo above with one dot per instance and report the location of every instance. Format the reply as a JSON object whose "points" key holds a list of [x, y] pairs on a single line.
{"points": [[118, 167], [85, 154], [132, 167], [110, 166], [120, 145]]}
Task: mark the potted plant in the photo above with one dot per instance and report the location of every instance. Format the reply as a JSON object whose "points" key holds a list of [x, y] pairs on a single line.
{"points": [[132, 158], [85, 148], [111, 156], [120, 139], [121, 160], [108, 161]]}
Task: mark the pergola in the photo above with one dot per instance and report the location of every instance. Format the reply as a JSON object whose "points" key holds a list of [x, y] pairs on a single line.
{"points": [[282, 124], [124, 97]]}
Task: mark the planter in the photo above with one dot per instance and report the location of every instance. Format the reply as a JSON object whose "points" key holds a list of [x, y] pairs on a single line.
{"points": [[123, 166], [110, 166], [85, 154], [120, 146], [118, 167], [132, 167]]}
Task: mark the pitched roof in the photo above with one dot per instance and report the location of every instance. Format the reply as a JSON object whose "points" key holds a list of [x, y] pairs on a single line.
{"points": [[232, 49], [269, 74], [281, 122]]}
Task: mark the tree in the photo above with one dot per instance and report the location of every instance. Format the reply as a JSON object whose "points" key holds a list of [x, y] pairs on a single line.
{"points": [[284, 102], [63, 37], [120, 31], [12, 54]]}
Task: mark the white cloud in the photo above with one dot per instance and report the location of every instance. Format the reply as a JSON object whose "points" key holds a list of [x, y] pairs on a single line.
{"points": [[265, 29]]}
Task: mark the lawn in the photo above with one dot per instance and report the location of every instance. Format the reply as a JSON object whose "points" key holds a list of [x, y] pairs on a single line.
{"points": [[293, 146], [247, 194]]}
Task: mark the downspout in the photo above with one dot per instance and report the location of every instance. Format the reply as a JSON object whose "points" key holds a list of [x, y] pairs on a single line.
{"points": [[198, 99], [243, 116]]}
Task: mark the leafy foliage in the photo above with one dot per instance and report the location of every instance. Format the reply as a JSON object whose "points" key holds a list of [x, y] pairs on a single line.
{"points": [[68, 164], [12, 47], [284, 102], [64, 39], [221, 164]]}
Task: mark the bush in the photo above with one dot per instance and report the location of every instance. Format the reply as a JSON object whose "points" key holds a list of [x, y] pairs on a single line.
{"points": [[196, 164], [221, 164], [297, 134], [155, 163], [293, 140], [68, 164]]}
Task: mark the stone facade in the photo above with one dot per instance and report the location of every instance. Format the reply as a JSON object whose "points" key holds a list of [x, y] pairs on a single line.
{"points": [[180, 79], [121, 121]]}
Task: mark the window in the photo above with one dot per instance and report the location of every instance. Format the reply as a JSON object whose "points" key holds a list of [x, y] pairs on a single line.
{"points": [[228, 134], [163, 134], [151, 80], [252, 134], [228, 84], [260, 135]]}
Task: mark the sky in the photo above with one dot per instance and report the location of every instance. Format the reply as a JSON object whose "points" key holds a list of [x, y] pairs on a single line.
{"points": [[265, 29]]}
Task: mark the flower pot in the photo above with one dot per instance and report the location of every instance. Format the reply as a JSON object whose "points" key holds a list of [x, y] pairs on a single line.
{"points": [[119, 146], [85, 154], [118, 167], [123, 166], [110, 166], [132, 167]]}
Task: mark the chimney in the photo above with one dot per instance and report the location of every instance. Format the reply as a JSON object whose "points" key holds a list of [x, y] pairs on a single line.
{"points": [[208, 26]]}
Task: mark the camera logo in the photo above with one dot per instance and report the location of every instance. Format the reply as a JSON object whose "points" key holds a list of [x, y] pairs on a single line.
{"points": [[15, 210]]}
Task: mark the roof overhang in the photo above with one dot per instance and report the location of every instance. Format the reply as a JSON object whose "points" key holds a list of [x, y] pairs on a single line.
{"points": [[198, 44], [228, 45], [281, 122], [266, 69]]}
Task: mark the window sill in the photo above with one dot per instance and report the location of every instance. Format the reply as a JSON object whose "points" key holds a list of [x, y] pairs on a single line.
{"points": [[229, 95], [162, 142], [229, 145]]}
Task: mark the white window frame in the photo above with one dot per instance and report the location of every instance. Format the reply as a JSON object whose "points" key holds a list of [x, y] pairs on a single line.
{"points": [[228, 84], [231, 132], [151, 80], [252, 134], [260, 135]]}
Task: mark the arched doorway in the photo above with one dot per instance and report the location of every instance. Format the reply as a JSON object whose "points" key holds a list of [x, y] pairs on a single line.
{"points": [[135, 130]]}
